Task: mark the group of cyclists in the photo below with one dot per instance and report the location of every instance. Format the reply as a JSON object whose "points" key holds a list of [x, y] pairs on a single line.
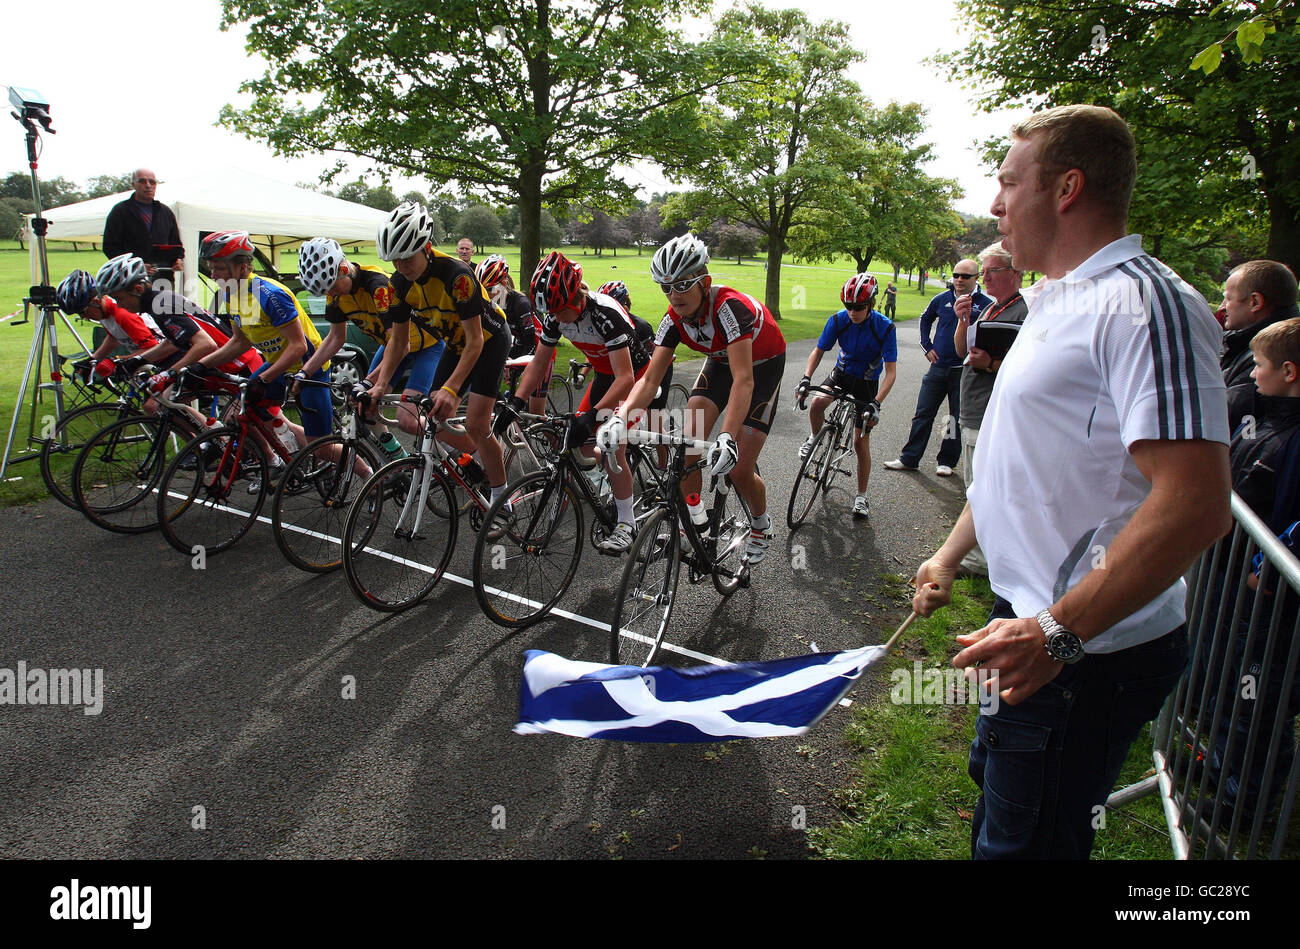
{"points": [[448, 329]]}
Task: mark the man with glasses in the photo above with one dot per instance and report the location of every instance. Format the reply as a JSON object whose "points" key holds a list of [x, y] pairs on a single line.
{"points": [[943, 378], [142, 225], [740, 381], [1002, 281]]}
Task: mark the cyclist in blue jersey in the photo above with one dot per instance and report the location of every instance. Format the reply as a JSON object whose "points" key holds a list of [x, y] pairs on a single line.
{"points": [[868, 343]]}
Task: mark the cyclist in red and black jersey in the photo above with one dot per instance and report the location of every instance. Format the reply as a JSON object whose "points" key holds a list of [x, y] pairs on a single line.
{"points": [[740, 381], [606, 336], [78, 295]]}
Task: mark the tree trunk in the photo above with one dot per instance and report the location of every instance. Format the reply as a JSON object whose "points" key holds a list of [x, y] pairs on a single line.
{"points": [[530, 219], [772, 292], [861, 264], [897, 268], [1283, 231]]}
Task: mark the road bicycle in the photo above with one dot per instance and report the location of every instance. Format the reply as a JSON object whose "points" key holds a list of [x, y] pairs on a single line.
{"points": [[647, 589], [559, 397], [311, 502], [528, 548], [833, 444], [96, 405], [401, 528], [214, 489], [123, 464]]}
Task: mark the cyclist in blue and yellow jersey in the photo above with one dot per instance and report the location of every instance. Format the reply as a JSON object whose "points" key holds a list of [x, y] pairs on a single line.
{"points": [[265, 314], [364, 296], [868, 343], [443, 296]]}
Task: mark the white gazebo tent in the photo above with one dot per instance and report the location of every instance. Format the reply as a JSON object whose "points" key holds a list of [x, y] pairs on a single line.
{"points": [[279, 216]]}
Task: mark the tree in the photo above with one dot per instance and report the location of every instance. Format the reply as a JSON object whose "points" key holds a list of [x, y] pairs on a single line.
{"points": [[101, 185], [749, 158], [977, 233], [1213, 151], [737, 240], [533, 101], [643, 227], [480, 225], [885, 200], [600, 232], [1267, 16], [549, 232], [55, 192], [11, 222]]}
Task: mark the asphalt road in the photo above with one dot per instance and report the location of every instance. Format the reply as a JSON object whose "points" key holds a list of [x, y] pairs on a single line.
{"points": [[225, 731]]}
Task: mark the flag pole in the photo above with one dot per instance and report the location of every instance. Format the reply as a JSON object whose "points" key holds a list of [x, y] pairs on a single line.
{"points": [[906, 623]]}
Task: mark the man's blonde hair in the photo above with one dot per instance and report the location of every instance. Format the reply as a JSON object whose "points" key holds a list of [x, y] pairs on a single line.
{"points": [[1094, 140], [996, 250], [1279, 342]]}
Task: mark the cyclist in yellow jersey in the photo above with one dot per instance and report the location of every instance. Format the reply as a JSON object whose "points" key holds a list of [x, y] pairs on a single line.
{"points": [[364, 296], [266, 315], [443, 296]]}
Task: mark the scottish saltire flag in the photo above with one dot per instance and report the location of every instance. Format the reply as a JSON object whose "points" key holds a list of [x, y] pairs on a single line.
{"points": [[705, 703]]}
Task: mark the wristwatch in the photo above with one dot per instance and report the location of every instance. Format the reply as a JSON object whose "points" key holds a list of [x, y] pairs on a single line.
{"points": [[1061, 644]]}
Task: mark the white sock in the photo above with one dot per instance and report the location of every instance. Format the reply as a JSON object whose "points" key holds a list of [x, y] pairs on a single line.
{"points": [[624, 506], [760, 523], [497, 492]]}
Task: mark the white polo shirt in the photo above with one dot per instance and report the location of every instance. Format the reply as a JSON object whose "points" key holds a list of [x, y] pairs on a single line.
{"points": [[1118, 350]]}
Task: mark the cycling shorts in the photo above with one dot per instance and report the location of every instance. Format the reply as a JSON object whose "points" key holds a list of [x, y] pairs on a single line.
{"points": [[314, 401], [485, 377], [863, 390], [418, 367], [714, 384]]}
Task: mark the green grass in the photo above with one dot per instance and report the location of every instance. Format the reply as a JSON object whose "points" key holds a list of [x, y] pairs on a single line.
{"points": [[911, 797], [817, 288]]}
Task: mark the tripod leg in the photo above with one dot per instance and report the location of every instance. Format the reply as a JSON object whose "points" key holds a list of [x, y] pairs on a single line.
{"points": [[33, 358]]}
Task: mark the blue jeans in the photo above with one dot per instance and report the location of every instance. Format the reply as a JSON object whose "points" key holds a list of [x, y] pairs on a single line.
{"points": [[939, 381], [1045, 765]]}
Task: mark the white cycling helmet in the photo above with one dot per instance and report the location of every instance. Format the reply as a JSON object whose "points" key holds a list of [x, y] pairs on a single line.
{"points": [[122, 271], [319, 260], [680, 258], [405, 233]]}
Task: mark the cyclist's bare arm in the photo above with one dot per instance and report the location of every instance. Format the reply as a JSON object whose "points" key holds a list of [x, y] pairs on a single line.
{"points": [[532, 375], [740, 355], [886, 382], [331, 344], [643, 392], [237, 345], [814, 360]]}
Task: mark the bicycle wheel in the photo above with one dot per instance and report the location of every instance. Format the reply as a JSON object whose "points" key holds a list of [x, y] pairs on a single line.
{"points": [[213, 491], [528, 549], [559, 397], [395, 549], [678, 396], [645, 481], [646, 592], [732, 538], [809, 479], [70, 434], [311, 503], [120, 468], [843, 422]]}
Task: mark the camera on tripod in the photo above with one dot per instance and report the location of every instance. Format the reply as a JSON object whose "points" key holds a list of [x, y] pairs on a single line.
{"points": [[31, 106]]}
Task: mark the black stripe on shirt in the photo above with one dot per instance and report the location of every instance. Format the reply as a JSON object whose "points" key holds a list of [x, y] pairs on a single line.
{"points": [[1183, 321]]}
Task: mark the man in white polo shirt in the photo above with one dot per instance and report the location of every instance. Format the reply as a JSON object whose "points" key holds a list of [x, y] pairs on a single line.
{"points": [[1103, 468]]}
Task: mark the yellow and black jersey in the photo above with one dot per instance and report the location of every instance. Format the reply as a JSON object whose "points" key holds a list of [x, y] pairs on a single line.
{"points": [[442, 297], [370, 306]]}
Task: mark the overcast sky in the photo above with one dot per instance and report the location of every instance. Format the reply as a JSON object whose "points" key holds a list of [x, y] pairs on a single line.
{"points": [[135, 83]]}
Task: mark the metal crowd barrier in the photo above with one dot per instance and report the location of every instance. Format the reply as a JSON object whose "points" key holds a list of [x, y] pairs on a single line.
{"points": [[1222, 745]]}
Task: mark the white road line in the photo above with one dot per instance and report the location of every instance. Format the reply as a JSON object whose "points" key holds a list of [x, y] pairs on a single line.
{"points": [[556, 611]]}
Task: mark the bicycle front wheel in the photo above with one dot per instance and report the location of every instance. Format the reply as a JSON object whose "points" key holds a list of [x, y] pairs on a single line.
{"points": [[119, 470], [70, 434], [396, 544], [646, 591], [559, 397], [732, 538], [311, 503], [809, 479], [213, 491], [527, 552]]}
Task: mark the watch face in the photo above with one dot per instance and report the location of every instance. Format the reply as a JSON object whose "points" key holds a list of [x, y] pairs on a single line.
{"points": [[1064, 646]]}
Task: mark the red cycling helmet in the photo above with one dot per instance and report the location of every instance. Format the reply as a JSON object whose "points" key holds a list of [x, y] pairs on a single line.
{"points": [[859, 289], [557, 283], [226, 245]]}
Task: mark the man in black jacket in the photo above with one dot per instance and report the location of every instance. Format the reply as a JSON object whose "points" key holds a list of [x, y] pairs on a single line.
{"points": [[1256, 294], [141, 223]]}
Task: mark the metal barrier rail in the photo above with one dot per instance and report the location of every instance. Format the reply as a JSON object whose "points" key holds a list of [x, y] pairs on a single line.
{"points": [[1223, 745]]}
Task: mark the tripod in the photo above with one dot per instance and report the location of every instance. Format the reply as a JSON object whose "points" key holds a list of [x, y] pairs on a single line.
{"points": [[48, 312]]}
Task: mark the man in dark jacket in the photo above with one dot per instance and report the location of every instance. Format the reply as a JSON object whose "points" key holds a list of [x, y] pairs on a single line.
{"points": [[141, 223], [1256, 294]]}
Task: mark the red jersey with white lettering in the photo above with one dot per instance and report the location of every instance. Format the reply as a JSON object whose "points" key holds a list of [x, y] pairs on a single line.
{"points": [[134, 331], [732, 316]]}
